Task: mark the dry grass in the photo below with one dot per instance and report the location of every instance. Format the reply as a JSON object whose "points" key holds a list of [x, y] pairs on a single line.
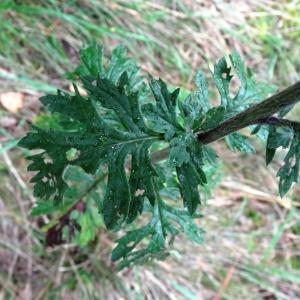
{"points": [[171, 39], [248, 253]]}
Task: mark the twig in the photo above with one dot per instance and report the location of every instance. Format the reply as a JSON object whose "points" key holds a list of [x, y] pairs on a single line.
{"points": [[256, 114], [225, 283], [280, 122], [16, 175], [257, 194], [19, 179]]}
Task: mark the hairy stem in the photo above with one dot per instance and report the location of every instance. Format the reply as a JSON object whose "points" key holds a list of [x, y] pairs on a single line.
{"points": [[257, 114]]}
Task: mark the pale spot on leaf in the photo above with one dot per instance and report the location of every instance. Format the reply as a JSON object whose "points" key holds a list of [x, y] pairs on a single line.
{"points": [[48, 160], [139, 192], [81, 91]]}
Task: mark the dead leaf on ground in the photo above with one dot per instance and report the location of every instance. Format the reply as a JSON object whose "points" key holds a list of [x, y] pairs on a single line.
{"points": [[12, 101]]}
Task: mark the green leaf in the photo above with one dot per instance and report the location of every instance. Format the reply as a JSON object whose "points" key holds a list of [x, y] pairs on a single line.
{"points": [[289, 172], [90, 61], [185, 222], [94, 156], [270, 153], [196, 104], [236, 141], [51, 163], [148, 242], [121, 63], [89, 139], [90, 222], [284, 137], [250, 90], [162, 117], [178, 151], [93, 65], [186, 154], [270, 147], [81, 188], [96, 143], [143, 182], [189, 180], [277, 137], [43, 208], [154, 232], [213, 118], [77, 180], [222, 78], [117, 197], [202, 92]]}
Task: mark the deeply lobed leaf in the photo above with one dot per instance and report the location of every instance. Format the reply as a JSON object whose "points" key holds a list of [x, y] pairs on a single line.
{"points": [[106, 139]]}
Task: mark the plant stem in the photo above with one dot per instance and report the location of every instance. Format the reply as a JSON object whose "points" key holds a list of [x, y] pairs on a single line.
{"points": [[280, 122], [257, 114], [260, 113]]}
